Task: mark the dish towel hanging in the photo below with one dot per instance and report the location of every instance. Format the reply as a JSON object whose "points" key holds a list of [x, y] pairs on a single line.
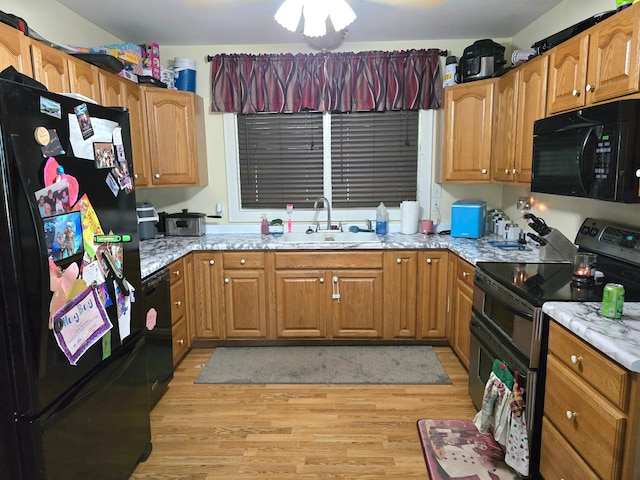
{"points": [[507, 424]]}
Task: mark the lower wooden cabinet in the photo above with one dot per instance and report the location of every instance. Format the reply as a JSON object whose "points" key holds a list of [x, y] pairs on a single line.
{"points": [[460, 309], [432, 294], [591, 411], [207, 295], [178, 311]]}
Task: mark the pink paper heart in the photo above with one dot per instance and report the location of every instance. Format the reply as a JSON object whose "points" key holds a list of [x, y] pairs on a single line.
{"points": [[51, 176]]}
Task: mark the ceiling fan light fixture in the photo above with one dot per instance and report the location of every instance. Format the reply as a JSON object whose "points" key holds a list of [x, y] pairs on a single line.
{"points": [[315, 14]]}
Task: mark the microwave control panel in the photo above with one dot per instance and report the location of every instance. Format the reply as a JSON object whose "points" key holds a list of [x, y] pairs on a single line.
{"points": [[604, 153]]}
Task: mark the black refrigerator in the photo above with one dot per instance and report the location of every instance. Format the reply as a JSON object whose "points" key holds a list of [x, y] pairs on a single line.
{"points": [[73, 385]]}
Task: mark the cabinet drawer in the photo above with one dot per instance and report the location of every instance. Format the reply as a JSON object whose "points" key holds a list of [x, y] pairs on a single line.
{"points": [[596, 429], [603, 374], [465, 271], [179, 336], [178, 302], [330, 260], [231, 260], [176, 271], [558, 459]]}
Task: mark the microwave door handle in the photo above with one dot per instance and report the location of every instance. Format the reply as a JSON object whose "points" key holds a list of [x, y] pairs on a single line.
{"points": [[587, 161]]}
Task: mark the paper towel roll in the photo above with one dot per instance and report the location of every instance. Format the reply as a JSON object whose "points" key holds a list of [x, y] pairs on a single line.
{"points": [[409, 215]]}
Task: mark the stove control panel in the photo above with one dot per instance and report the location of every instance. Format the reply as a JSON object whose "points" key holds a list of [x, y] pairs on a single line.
{"points": [[603, 236]]}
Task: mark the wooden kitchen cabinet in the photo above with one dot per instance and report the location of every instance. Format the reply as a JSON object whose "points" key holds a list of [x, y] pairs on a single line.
{"points": [[432, 294], [208, 295], [50, 67], [400, 294], [84, 78], [468, 132], [246, 294], [520, 100], [175, 121], [590, 413], [139, 136], [14, 50], [598, 65], [335, 295], [460, 309], [178, 311]]}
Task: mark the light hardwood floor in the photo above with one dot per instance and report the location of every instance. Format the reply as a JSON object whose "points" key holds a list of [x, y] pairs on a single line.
{"points": [[282, 432]]}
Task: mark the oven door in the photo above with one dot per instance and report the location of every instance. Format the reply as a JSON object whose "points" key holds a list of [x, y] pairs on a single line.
{"points": [[485, 348]]}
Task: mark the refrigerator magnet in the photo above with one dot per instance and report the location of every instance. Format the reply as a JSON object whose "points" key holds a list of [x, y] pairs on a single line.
{"points": [[80, 324], [53, 147], [104, 155], [113, 185], [50, 107], [84, 120]]}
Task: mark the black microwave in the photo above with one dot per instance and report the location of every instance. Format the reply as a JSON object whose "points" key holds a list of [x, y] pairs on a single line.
{"points": [[591, 152]]}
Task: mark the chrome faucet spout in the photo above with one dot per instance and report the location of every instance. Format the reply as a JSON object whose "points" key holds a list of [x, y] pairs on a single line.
{"points": [[328, 207]]}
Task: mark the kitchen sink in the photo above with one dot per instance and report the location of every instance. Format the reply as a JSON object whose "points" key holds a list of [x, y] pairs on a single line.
{"points": [[329, 237]]}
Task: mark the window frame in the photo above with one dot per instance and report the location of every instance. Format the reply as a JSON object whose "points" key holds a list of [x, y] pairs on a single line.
{"points": [[427, 143]]}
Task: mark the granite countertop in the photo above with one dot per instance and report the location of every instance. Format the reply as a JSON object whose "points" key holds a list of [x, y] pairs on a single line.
{"points": [[618, 338], [158, 253]]}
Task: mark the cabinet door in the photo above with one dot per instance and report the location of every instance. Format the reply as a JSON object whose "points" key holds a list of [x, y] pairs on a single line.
{"points": [[302, 303], [558, 459], [50, 67], [172, 137], [432, 294], [139, 138], [531, 106], [356, 303], [400, 294], [208, 296], [503, 145], [568, 74], [112, 90], [245, 305], [461, 307], [614, 69], [467, 132], [189, 278], [83, 78], [14, 50]]}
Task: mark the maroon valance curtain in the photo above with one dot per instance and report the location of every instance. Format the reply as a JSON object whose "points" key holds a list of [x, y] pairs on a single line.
{"points": [[335, 82]]}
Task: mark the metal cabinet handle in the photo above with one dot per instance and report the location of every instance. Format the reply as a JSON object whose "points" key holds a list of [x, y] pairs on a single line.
{"points": [[178, 303], [590, 88], [242, 261], [575, 93], [483, 171], [465, 274], [638, 173], [135, 175], [429, 261], [157, 175], [506, 170], [398, 260], [514, 171], [571, 415], [226, 280], [176, 273], [321, 280], [181, 341], [575, 359], [211, 262]]}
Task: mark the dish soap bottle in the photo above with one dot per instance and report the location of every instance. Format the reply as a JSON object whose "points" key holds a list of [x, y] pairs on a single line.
{"points": [[264, 227], [382, 218]]}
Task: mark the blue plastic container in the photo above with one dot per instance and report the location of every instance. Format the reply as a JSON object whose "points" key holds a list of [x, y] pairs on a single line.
{"points": [[185, 73], [468, 218]]}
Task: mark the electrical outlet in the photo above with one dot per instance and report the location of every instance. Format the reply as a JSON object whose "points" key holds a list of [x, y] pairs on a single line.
{"points": [[436, 205]]}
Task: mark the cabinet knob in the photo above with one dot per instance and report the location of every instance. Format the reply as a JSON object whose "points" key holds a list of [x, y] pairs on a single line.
{"points": [[514, 171], [181, 341], [321, 280], [226, 280], [638, 173], [484, 171], [575, 93], [178, 303], [157, 175], [429, 261], [177, 273], [571, 415], [506, 170], [575, 359], [135, 175], [212, 262], [465, 274], [590, 88], [242, 261], [398, 260]]}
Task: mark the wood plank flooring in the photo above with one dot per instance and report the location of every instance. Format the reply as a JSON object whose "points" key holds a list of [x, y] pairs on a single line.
{"points": [[280, 432]]}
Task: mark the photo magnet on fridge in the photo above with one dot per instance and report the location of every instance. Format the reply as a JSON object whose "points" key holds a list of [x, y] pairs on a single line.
{"points": [[50, 107], [84, 120], [104, 154], [63, 235], [54, 199]]}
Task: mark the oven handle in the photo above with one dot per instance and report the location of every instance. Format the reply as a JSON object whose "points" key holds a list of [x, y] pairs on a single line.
{"points": [[511, 301]]}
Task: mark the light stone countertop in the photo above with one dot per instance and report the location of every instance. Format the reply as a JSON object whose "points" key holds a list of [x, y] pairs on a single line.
{"points": [[158, 253], [618, 338]]}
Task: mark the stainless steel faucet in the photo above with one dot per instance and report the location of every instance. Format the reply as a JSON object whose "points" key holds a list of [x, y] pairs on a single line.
{"points": [[328, 206]]}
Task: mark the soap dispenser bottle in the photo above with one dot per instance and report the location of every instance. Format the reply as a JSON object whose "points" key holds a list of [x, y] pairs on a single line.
{"points": [[382, 219], [264, 227]]}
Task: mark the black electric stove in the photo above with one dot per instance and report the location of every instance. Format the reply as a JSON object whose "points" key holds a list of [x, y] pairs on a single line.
{"points": [[618, 250]]}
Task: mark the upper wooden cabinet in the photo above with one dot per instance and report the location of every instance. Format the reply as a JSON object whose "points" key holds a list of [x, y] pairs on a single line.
{"points": [[84, 78], [520, 100], [50, 67], [14, 50], [601, 64], [175, 122], [468, 132]]}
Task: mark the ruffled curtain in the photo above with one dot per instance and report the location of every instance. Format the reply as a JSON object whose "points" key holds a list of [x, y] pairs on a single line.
{"points": [[336, 82]]}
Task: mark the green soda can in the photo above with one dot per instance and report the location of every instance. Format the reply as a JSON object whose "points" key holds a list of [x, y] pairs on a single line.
{"points": [[612, 300]]}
